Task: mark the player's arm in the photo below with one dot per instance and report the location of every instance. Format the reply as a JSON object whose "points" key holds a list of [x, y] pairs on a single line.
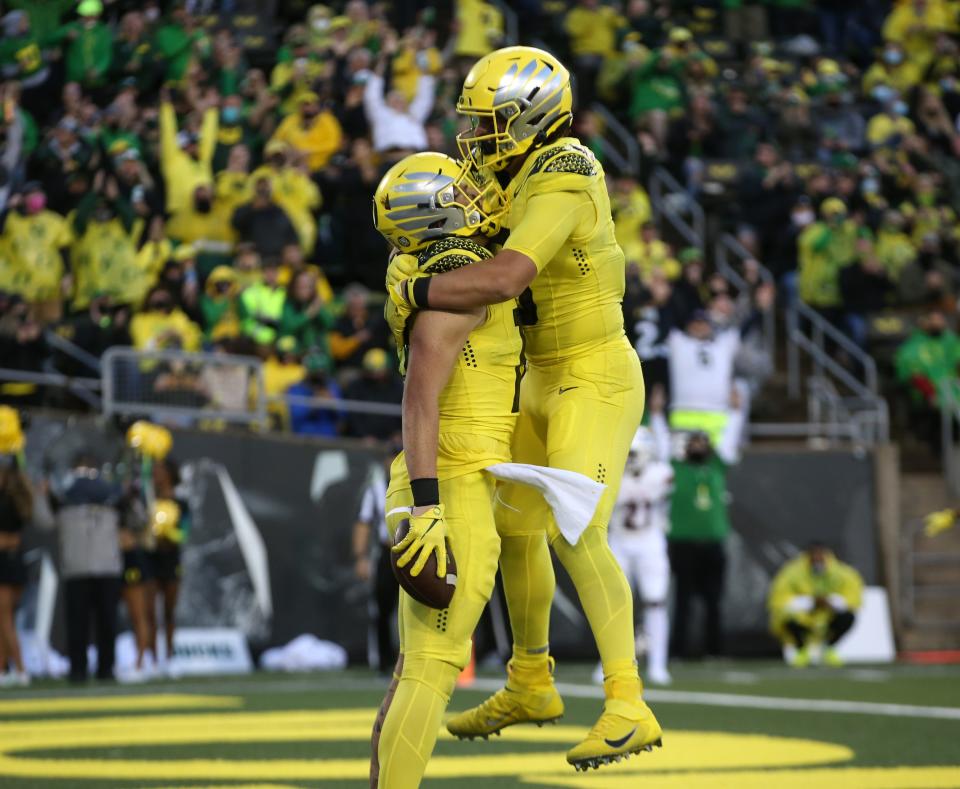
{"points": [[550, 219], [436, 339], [435, 342]]}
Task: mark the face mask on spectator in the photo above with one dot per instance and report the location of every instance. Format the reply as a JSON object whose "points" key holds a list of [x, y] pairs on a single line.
{"points": [[948, 84], [882, 93], [230, 115], [803, 217], [900, 107], [34, 203], [893, 57], [870, 186]]}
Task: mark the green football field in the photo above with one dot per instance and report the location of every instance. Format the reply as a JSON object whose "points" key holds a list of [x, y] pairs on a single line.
{"points": [[740, 725]]}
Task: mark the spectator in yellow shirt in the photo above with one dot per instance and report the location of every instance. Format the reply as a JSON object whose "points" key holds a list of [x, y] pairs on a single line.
{"points": [[161, 325], [631, 209], [293, 190], [185, 157], [34, 238], [281, 370], [416, 57], [233, 186], [890, 127], [892, 69], [299, 66], [915, 24], [478, 27], [314, 132], [204, 223], [592, 29]]}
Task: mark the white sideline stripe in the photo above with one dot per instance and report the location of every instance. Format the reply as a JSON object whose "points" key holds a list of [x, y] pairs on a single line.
{"points": [[755, 702]]}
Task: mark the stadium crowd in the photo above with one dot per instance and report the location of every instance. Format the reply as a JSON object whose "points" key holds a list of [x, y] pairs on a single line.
{"points": [[169, 181]]}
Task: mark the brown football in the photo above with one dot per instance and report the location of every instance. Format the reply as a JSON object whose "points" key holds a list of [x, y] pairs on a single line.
{"points": [[425, 588]]}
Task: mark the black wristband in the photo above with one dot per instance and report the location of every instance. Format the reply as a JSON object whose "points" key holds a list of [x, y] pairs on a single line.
{"points": [[426, 491], [420, 298]]}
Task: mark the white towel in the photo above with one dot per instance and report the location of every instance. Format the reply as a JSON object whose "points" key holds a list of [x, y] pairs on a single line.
{"points": [[573, 497]]}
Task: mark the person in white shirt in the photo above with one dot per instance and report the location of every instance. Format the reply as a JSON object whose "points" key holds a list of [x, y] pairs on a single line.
{"points": [[701, 374], [637, 535], [395, 124]]}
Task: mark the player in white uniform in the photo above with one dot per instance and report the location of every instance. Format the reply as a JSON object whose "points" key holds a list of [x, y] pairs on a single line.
{"points": [[638, 538]]}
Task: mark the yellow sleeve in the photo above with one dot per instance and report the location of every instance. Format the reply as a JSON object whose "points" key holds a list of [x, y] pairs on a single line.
{"points": [[852, 587], [208, 136], [168, 135], [893, 28], [781, 588], [280, 75], [549, 220]]}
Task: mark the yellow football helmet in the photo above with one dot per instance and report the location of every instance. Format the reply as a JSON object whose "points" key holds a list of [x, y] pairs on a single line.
{"points": [[427, 196], [515, 98]]}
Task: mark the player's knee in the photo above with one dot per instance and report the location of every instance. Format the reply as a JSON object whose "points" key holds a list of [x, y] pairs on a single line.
{"points": [[439, 675]]}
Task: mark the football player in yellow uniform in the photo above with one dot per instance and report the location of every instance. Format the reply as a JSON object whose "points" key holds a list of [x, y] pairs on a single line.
{"points": [[582, 397], [461, 396]]}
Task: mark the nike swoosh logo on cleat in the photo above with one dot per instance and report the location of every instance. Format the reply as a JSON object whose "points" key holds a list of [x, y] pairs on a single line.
{"points": [[566, 389], [622, 741]]}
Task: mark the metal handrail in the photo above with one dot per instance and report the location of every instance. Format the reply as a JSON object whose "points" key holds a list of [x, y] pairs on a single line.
{"points": [[83, 388], [821, 330], [256, 415], [73, 350], [665, 191], [728, 244], [949, 415], [910, 558], [357, 406], [630, 145]]}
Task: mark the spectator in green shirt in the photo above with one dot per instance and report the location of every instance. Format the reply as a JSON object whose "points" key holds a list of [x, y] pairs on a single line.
{"points": [[90, 50], [175, 42], [699, 522], [930, 360], [22, 58]]}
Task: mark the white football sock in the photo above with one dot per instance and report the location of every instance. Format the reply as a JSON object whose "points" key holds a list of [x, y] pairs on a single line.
{"points": [[656, 628]]}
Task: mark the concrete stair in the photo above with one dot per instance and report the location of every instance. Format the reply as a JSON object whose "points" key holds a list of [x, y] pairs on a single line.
{"points": [[935, 620]]}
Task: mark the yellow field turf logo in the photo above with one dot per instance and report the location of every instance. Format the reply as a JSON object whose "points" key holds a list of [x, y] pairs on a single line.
{"points": [[706, 760]]}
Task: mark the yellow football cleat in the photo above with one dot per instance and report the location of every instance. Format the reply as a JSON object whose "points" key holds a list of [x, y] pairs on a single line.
{"points": [[801, 658], [831, 658], [624, 727], [510, 705]]}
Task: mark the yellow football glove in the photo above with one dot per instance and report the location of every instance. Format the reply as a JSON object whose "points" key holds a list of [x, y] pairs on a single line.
{"points": [[427, 534], [402, 268], [937, 522]]}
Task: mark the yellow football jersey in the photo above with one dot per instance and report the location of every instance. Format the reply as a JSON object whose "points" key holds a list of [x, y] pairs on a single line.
{"points": [[482, 396], [34, 246], [576, 296]]}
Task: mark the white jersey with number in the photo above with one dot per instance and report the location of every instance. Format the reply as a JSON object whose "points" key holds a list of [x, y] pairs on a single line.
{"points": [[644, 501], [638, 530]]}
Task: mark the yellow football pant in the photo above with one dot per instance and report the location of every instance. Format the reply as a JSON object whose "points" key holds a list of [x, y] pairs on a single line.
{"points": [[580, 416], [436, 644]]}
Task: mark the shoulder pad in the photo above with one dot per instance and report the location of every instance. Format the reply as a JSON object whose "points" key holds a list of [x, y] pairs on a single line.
{"points": [[565, 159], [450, 253]]}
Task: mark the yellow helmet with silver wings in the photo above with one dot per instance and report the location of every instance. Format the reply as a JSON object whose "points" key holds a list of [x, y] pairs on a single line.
{"points": [[427, 196], [515, 98]]}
